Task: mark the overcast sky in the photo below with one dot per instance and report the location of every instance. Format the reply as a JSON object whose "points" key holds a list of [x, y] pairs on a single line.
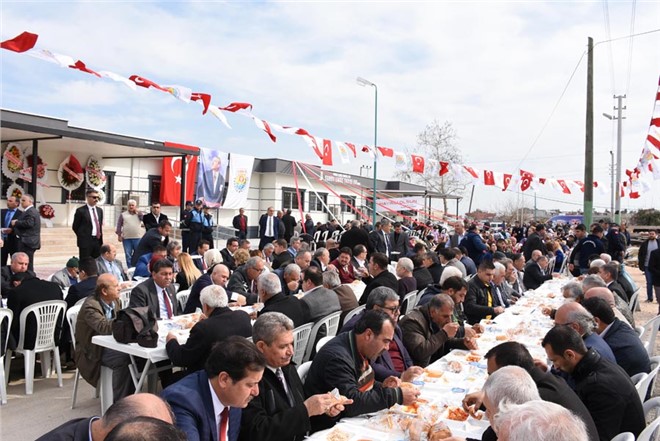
{"points": [[495, 70]]}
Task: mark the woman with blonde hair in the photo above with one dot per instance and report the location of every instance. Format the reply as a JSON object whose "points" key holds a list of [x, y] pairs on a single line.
{"points": [[240, 257], [188, 272]]}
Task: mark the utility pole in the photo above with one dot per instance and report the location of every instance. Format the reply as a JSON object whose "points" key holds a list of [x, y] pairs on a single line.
{"points": [[612, 181], [619, 121], [534, 206], [588, 204]]}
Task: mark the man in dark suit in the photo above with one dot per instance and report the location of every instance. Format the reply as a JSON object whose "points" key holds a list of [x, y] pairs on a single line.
{"points": [[232, 373], [534, 272], [87, 284], [154, 217], [270, 294], [86, 429], [621, 338], [221, 322], [280, 412], [383, 238], [380, 276], [212, 185], [107, 262], [153, 237], [356, 235], [610, 273], [228, 253], [8, 236], [318, 301], [19, 264], [289, 224], [88, 226], [535, 242], [400, 242], [269, 227], [30, 291], [157, 293], [28, 229], [240, 222]]}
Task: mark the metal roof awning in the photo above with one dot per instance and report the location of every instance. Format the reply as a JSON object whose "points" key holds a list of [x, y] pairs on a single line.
{"points": [[57, 133]]}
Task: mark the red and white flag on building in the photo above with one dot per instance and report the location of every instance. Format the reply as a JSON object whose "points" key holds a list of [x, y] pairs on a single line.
{"points": [[170, 187], [344, 154], [417, 164]]}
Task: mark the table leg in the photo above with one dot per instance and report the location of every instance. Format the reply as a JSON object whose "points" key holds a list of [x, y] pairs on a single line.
{"points": [[106, 388]]}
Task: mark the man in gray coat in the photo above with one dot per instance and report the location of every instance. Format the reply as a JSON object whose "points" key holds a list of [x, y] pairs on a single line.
{"points": [[317, 301], [28, 229]]}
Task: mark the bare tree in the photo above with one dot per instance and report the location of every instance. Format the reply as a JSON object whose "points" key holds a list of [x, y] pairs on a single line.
{"points": [[437, 142], [514, 208]]}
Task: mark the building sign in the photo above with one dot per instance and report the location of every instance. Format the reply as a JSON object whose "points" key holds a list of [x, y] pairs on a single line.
{"points": [[339, 178], [413, 203]]}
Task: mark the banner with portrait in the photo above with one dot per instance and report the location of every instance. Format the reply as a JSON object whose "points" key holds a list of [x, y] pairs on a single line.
{"points": [[211, 177], [240, 174]]}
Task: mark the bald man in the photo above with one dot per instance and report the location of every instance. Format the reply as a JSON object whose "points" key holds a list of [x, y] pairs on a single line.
{"points": [[609, 297], [574, 315], [96, 429]]}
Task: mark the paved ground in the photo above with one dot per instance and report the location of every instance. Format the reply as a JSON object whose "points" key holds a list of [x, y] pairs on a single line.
{"points": [[28, 417]]}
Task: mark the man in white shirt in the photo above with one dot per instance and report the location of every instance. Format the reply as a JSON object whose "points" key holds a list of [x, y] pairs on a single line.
{"points": [[269, 226], [107, 262]]}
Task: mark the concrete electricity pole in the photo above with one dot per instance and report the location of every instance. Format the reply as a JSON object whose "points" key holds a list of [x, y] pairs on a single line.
{"points": [[619, 118], [588, 204]]}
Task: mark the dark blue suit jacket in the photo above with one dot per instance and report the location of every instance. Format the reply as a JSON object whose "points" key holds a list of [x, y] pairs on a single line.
{"points": [[627, 348], [262, 226], [191, 402]]}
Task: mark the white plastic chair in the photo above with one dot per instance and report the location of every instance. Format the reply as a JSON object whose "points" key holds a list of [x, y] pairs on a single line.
{"points": [[647, 434], [643, 385], [331, 323], [130, 272], [626, 436], [124, 299], [72, 318], [182, 298], [323, 341], [300, 337], [640, 331], [8, 315], [303, 370], [47, 314], [408, 303], [651, 329], [354, 312], [651, 404], [632, 304]]}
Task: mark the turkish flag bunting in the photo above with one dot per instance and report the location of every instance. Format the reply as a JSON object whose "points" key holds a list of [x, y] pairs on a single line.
{"points": [[205, 98], [143, 82], [417, 164], [581, 185], [525, 180], [653, 140], [327, 152], [385, 151], [21, 43], [542, 181], [489, 177], [507, 180], [263, 125], [444, 168], [311, 140], [351, 147], [170, 188], [564, 187], [471, 171], [655, 122], [235, 107], [79, 65]]}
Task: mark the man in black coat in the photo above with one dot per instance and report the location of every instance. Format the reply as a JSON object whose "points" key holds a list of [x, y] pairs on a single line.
{"points": [[19, 264], [621, 338], [270, 294], [153, 237], [228, 253], [280, 412], [356, 235], [534, 272], [269, 227], [8, 235], [154, 217], [30, 291], [604, 388], [380, 276], [289, 224], [535, 242], [550, 387], [28, 229], [88, 226], [480, 301], [221, 322], [157, 293]]}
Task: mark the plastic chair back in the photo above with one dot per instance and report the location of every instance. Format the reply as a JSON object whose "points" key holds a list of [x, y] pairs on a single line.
{"points": [[182, 298], [5, 315], [331, 323], [408, 303], [300, 338], [130, 272], [323, 341], [626, 436], [303, 370], [643, 386], [71, 318], [651, 329], [47, 314], [354, 312], [632, 304], [647, 434]]}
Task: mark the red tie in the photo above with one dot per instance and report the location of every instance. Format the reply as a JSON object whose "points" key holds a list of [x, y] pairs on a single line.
{"points": [[96, 223], [224, 419], [166, 299]]}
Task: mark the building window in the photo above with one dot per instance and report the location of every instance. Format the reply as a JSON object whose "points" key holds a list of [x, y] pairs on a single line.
{"points": [[78, 195], [345, 207], [154, 189], [317, 202], [290, 198]]}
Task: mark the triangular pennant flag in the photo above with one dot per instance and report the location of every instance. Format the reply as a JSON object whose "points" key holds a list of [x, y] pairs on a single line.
{"points": [[385, 151], [417, 164], [369, 150], [21, 43], [351, 147], [203, 98], [564, 187], [431, 168], [506, 179], [489, 177], [235, 107], [52, 57], [312, 141], [444, 168], [655, 168], [472, 172], [343, 152], [263, 125], [181, 93], [144, 82], [115, 77], [215, 111], [81, 66]]}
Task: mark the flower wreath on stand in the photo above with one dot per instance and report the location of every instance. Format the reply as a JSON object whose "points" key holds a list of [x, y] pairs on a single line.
{"points": [[47, 212], [12, 161], [70, 173]]}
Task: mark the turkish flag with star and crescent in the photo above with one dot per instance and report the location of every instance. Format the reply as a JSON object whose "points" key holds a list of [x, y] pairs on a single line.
{"points": [[170, 186], [417, 164], [525, 180]]}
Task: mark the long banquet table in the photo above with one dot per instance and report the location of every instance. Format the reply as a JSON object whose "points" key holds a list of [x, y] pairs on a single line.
{"points": [[442, 390]]}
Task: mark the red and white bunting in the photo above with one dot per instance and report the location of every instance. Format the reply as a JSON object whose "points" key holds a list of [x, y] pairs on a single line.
{"points": [[417, 164]]}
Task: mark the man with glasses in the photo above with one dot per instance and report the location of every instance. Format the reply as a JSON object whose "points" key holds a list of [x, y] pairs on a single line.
{"points": [[395, 361], [88, 226], [151, 220], [244, 280], [429, 332]]}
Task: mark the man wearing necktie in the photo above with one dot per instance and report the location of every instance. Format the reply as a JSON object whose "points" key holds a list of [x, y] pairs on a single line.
{"points": [[8, 235], [281, 412], [157, 293], [88, 226], [107, 262], [207, 404], [269, 227]]}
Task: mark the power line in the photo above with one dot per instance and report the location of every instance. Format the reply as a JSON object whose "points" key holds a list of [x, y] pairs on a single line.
{"points": [[630, 45], [606, 18]]}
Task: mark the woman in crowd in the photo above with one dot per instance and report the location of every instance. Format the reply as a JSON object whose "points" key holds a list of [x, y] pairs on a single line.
{"points": [[240, 257], [173, 252], [188, 272]]}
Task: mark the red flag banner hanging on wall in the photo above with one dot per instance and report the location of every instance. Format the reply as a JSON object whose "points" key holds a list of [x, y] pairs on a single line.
{"points": [[170, 187]]}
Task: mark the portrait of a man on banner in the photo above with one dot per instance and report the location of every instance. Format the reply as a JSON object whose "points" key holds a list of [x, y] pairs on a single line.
{"points": [[211, 177]]}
